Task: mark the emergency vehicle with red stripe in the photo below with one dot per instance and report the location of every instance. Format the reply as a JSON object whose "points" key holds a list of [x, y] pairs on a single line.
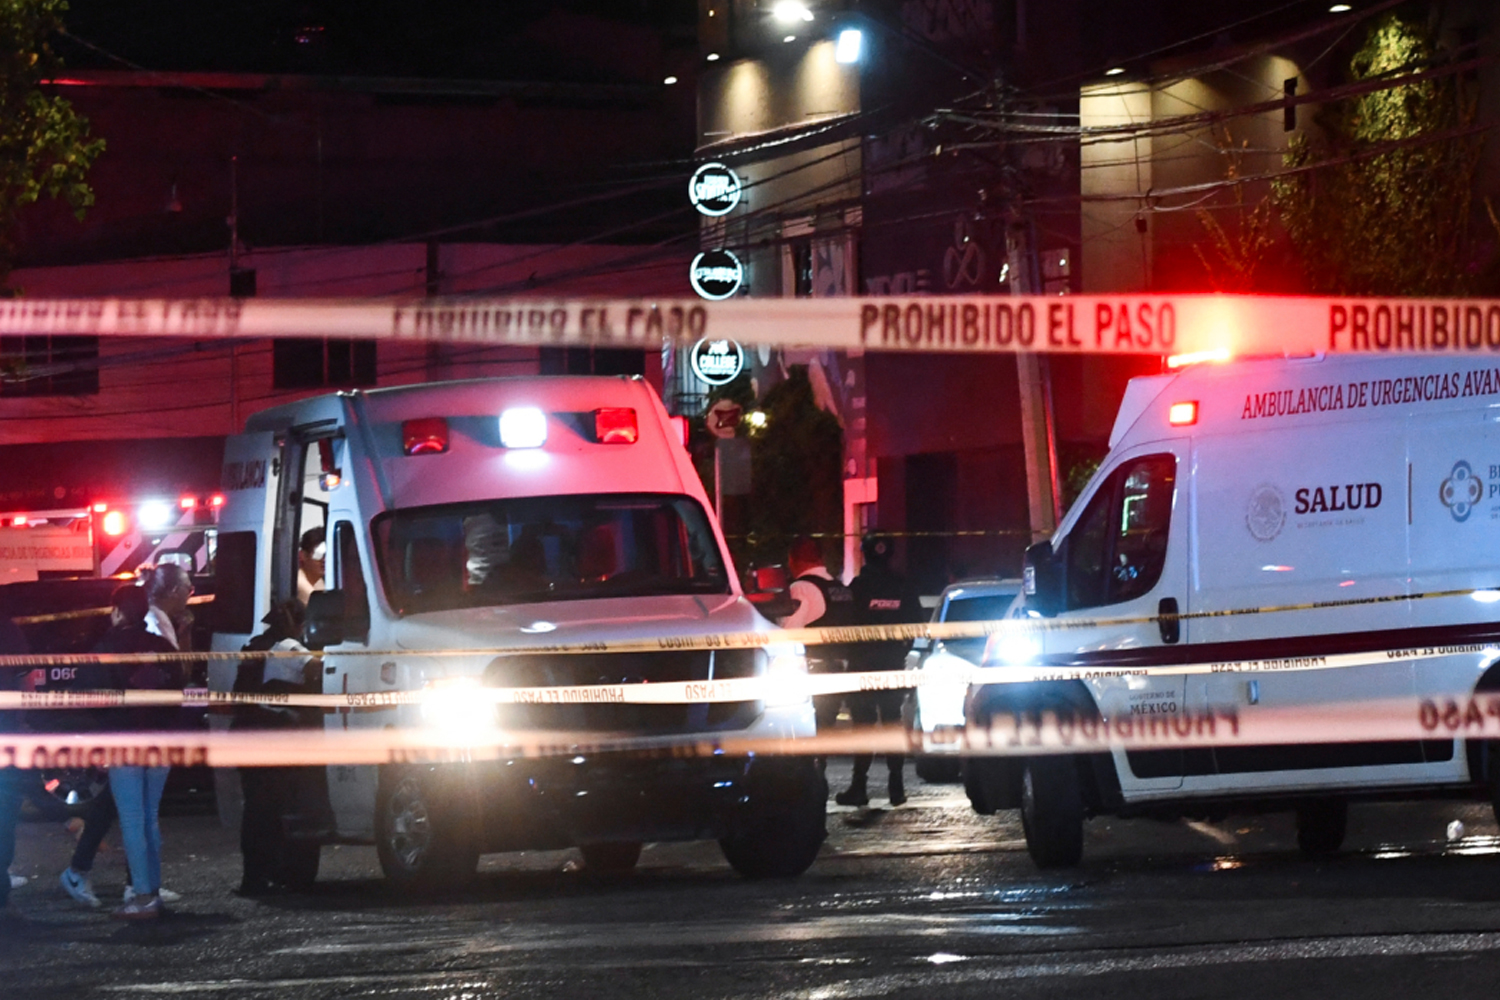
{"points": [[108, 538]]}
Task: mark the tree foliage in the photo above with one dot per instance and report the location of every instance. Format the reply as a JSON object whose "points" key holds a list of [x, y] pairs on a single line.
{"points": [[45, 147], [1391, 222], [797, 484]]}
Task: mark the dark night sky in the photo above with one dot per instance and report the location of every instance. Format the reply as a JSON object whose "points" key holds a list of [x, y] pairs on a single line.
{"points": [[481, 39]]}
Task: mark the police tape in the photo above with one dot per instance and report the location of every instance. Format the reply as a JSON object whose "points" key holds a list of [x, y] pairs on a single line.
{"points": [[783, 688], [79, 613], [1021, 733], [753, 639]]}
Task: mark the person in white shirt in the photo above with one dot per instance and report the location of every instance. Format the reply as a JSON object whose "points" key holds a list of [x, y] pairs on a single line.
{"points": [[821, 601]]}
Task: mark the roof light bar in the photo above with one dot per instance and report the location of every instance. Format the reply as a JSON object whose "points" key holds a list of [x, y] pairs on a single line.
{"points": [[615, 425], [427, 436]]}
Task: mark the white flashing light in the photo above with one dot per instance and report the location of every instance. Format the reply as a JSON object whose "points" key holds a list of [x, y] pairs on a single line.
{"points": [[1486, 596], [786, 674], [850, 45], [790, 12], [456, 706], [154, 516], [523, 427]]}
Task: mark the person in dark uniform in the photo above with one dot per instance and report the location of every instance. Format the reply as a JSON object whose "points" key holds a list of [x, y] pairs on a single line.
{"points": [[280, 802], [821, 601], [12, 643], [881, 597]]}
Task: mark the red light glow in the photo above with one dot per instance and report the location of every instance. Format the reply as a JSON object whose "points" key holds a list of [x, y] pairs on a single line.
{"points": [[1183, 414], [428, 436], [187, 503], [615, 425], [216, 501], [114, 523]]}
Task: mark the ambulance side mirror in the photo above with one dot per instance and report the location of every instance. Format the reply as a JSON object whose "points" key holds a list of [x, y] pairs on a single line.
{"points": [[1041, 578], [329, 622]]}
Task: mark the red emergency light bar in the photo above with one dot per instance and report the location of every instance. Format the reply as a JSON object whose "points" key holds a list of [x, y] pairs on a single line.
{"points": [[615, 425], [427, 436], [1183, 414], [216, 501], [187, 503]]}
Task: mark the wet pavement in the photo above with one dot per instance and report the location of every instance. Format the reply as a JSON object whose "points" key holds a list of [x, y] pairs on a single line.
{"points": [[927, 898]]}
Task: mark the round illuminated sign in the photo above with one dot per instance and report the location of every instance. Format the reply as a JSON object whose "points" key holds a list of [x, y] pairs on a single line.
{"points": [[716, 274], [714, 189], [717, 362]]}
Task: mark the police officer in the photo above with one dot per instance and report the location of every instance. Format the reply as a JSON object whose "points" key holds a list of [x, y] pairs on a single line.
{"points": [[821, 601], [881, 597]]}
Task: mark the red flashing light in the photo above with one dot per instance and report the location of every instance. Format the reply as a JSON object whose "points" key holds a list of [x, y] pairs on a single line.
{"points": [[114, 523], [615, 425], [187, 503], [216, 501], [100, 508], [1183, 414], [18, 522], [428, 436], [681, 423]]}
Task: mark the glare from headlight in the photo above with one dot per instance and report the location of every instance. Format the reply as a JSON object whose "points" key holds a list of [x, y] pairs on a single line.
{"points": [[1012, 649], [453, 705], [786, 674]]}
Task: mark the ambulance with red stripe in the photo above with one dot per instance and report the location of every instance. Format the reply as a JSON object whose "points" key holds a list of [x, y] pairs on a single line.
{"points": [[505, 513], [1282, 510]]}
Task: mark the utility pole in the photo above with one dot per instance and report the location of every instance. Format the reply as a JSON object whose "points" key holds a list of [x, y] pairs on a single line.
{"points": [[1034, 379]]}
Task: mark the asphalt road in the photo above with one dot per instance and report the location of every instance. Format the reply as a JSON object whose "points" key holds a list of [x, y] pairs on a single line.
{"points": [[928, 899]]}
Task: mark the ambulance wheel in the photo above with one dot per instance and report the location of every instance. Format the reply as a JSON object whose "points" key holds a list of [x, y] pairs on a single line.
{"points": [[424, 834], [299, 863], [1321, 824], [610, 859], [1052, 811]]}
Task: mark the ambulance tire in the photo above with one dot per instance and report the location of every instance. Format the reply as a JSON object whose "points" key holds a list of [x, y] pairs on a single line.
{"points": [[1052, 811], [425, 833], [299, 863], [611, 859], [1321, 825]]}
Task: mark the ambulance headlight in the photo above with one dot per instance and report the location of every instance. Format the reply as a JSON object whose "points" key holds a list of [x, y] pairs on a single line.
{"points": [[523, 427], [786, 675], [457, 706], [1011, 649]]}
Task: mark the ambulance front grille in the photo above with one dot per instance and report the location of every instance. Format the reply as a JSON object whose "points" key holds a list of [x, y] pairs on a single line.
{"points": [[593, 669]]}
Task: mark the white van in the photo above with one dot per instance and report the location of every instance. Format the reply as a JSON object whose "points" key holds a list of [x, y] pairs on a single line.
{"points": [[500, 513], [1261, 484]]}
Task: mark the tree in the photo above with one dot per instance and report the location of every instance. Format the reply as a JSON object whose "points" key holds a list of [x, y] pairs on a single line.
{"points": [[45, 147], [796, 479], [1392, 222]]}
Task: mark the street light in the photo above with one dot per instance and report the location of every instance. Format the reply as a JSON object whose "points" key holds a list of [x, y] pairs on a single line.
{"points": [[850, 44], [790, 12]]}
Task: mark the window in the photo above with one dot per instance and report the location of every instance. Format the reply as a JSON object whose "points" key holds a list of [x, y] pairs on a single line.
{"points": [[592, 361], [49, 366], [349, 578], [312, 362], [546, 549], [1116, 550]]}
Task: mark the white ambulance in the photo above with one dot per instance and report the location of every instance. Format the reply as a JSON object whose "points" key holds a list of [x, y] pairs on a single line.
{"points": [[501, 513], [1252, 485]]}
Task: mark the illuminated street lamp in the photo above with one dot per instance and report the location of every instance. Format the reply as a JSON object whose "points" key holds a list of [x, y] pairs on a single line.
{"points": [[790, 12], [850, 44]]}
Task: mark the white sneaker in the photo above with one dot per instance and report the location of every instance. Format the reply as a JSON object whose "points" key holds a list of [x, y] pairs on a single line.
{"points": [[167, 895], [80, 888], [16, 881]]}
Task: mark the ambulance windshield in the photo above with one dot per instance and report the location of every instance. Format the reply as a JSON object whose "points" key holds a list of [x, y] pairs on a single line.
{"points": [[555, 548]]}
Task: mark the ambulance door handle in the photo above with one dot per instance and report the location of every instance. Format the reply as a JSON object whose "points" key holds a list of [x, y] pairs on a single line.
{"points": [[1166, 619]]}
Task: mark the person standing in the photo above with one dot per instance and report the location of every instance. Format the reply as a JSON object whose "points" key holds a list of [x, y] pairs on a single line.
{"points": [[881, 597], [127, 634], [12, 643], [822, 601], [138, 789]]}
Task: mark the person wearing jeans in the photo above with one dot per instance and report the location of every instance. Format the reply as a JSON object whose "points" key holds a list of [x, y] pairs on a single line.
{"points": [[137, 789]]}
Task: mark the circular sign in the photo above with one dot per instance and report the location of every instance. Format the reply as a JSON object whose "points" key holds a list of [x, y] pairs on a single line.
{"points": [[716, 274], [715, 189], [717, 362]]}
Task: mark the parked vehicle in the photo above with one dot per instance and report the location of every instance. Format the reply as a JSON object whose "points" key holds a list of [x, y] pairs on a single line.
{"points": [[1262, 485], [935, 712], [512, 512]]}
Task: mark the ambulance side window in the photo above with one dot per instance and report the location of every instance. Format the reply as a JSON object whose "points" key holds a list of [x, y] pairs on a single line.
{"points": [[1118, 547], [349, 576]]}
